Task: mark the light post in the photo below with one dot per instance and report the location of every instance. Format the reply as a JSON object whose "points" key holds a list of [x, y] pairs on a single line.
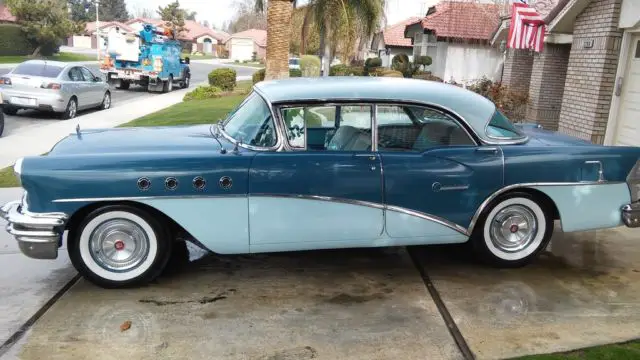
{"points": [[98, 28]]}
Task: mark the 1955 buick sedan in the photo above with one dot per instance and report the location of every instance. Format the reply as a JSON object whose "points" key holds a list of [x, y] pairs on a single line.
{"points": [[314, 164]]}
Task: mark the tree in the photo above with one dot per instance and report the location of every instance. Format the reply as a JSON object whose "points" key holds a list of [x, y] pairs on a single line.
{"points": [[190, 15], [173, 16], [245, 17], [45, 22], [79, 9], [205, 23], [144, 13], [278, 36], [110, 10]]}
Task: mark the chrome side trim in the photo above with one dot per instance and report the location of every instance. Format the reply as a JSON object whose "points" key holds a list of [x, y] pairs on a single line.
{"points": [[322, 198], [153, 197], [600, 169], [491, 197], [429, 217]]}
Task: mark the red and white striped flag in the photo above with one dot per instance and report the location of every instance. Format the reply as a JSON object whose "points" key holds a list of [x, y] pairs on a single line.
{"points": [[527, 28]]}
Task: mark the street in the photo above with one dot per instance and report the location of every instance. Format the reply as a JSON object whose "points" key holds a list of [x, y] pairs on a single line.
{"points": [[27, 119]]}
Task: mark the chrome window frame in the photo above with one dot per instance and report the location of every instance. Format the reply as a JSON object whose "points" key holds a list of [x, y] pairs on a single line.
{"points": [[504, 140]]}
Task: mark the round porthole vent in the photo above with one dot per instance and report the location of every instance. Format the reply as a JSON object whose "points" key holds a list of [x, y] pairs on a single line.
{"points": [[171, 183], [226, 182], [144, 183], [199, 183]]}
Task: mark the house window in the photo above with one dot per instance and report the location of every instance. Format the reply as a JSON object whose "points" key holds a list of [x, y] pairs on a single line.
{"points": [[638, 50]]}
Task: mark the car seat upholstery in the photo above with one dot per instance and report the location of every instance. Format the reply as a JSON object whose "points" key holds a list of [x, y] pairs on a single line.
{"points": [[349, 138]]}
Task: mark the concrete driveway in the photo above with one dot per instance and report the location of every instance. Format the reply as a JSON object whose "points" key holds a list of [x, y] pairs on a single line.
{"points": [[354, 304]]}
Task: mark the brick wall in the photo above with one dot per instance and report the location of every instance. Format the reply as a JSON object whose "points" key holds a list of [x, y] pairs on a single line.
{"points": [[517, 70], [591, 72], [547, 85]]}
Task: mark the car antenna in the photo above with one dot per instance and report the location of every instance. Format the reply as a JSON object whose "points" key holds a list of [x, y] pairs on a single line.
{"points": [[216, 133]]}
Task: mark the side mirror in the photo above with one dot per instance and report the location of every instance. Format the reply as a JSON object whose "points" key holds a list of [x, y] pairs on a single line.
{"points": [[187, 60]]}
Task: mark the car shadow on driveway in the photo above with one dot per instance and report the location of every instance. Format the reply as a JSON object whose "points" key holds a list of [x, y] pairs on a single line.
{"points": [[339, 304]]}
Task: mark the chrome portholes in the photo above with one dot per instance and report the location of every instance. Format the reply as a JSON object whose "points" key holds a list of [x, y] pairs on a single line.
{"points": [[144, 184], [119, 245], [513, 228], [225, 182], [199, 183], [171, 183]]}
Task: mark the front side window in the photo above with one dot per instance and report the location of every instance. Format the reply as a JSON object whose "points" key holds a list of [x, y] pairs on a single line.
{"points": [[251, 123], [416, 128], [500, 127], [329, 127]]}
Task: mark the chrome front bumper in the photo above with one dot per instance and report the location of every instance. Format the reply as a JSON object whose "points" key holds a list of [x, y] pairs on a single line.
{"points": [[39, 235], [631, 215]]}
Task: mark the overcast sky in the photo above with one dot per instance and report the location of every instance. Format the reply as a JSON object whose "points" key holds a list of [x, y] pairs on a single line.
{"points": [[218, 11]]}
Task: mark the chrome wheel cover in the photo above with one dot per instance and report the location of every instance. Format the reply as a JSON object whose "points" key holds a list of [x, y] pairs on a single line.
{"points": [[513, 228], [73, 108], [119, 245], [107, 101]]}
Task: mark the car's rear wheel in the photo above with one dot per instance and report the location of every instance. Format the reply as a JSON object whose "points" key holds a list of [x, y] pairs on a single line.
{"points": [[9, 110], [119, 245], [187, 81], [72, 109], [1, 123], [513, 231], [168, 85]]}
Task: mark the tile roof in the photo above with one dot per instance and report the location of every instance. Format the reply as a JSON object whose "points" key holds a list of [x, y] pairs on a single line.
{"points": [[394, 35], [259, 36], [193, 29], [5, 14], [465, 20], [91, 26]]}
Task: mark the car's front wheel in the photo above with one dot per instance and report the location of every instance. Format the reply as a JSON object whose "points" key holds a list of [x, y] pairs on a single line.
{"points": [[512, 231], [9, 110], [106, 101], [119, 245]]}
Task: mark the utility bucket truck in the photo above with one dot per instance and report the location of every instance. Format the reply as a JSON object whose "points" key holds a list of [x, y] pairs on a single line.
{"points": [[150, 58]]}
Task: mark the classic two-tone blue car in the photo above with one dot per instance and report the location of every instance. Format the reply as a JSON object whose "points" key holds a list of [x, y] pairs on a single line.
{"points": [[315, 164]]}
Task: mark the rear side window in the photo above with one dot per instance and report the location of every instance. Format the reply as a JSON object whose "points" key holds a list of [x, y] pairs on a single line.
{"points": [[501, 127], [36, 69]]}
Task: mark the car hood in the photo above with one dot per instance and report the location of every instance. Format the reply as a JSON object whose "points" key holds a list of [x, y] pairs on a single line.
{"points": [[139, 139], [539, 136]]}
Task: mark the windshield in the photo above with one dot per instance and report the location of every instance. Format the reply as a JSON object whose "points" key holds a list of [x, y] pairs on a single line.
{"points": [[251, 123], [500, 127], [38, 69], [294, 61]]}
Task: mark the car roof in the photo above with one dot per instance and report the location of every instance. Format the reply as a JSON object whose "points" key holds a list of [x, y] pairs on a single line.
{"points": [[474, 109], [48, 62]]}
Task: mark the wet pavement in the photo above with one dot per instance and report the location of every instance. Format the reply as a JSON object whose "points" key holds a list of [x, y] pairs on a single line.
{"points": [[354, 304]]}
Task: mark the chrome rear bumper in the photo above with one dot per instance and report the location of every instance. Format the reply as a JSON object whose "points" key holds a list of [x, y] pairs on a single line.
{"points": [[39, 235], [631, 215]]}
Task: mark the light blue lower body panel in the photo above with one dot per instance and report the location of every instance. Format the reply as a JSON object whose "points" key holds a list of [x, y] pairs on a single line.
{"points": [[589, 206], [401, 225], [220, 224]]}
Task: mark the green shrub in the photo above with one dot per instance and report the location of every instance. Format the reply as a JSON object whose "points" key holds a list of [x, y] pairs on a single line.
{"points": [[258, 76], [295, 73], [310, 65], [426, 76], [402, 64], [373, 62], [13, 41], [422, 60], [391, 73], [203, 93], [339, 70], [511, 102], [223, 78]]}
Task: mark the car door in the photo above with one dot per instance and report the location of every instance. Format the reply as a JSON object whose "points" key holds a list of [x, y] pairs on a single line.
{"points": [[94, 88], [323, 196], [79, 87], [435, 176]]}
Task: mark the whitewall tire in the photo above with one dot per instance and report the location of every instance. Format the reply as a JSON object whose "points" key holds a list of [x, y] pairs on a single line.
{"points": [[512, 231], [117, 246]]}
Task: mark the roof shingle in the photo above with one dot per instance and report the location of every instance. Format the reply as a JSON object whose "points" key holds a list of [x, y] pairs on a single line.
{"points": [[394, 35], [259, 36], [465, 20]]}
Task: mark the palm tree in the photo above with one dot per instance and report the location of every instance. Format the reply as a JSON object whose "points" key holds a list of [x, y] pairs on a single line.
{"points": [[341, 21], [278, 36]]}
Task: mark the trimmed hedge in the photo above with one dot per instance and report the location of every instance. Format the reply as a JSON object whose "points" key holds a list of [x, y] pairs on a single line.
{"points": [[259, 75], [295, 73], [13, 41], [310, 65], [203, 93], [223, 78]]}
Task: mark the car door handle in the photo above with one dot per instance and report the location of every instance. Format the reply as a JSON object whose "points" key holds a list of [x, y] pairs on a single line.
{"points": [[371, 157], [484, 149]]}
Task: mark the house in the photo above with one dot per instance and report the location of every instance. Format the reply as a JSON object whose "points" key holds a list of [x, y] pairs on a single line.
{"points": [[5, 15], [391, 42], [195, 37], [586, 81], [87, 39], [456, 35], [242, 45]]}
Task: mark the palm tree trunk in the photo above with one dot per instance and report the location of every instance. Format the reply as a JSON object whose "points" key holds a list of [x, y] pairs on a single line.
{"points": [[279, 32]]}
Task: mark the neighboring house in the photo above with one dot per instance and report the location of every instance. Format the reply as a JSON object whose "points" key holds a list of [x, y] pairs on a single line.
{"points": [[586, 81], [5, 15], [242, 45], [456, 35], [197, 37], [87, 39], [391, 42]]}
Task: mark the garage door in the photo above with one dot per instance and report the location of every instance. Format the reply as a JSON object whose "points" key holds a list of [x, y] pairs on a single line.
{"points": [[628, 131], [242, 49]]}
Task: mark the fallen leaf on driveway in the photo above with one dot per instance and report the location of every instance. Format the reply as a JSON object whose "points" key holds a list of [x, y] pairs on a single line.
{"points": [[125, 326]]}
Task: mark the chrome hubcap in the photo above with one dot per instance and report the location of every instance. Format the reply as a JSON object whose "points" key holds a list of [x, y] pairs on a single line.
{"points": [[119, 245], [107, 101], [513, 228], [72, 109]]}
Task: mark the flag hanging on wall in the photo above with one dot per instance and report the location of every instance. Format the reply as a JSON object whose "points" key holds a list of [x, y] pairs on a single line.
{"points": [[527, 28]]}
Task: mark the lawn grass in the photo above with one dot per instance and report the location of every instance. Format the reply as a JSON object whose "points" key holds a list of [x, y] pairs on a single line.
{"points": [[623, 351], [254, 65], [7, 179], [58, 57]]}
